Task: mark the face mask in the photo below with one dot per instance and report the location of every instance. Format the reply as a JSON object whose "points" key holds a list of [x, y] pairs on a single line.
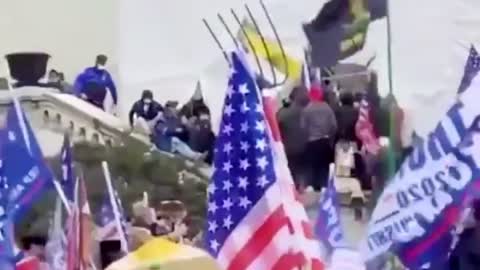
{"points": [[101, 67], [147, 101]]}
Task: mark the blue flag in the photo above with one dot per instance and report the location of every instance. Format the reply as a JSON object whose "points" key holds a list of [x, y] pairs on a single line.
{"points": [[68, 178], [328, 227], [472, 67], [24, 171], [419, 209]]}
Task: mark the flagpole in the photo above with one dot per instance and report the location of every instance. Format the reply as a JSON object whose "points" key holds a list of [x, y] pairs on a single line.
{"points": [[392, 127], [389, 48], [113, 201]]}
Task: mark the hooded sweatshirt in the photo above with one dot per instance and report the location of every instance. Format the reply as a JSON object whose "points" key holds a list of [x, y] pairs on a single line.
{"points": [[94, 82], [318, 118]]}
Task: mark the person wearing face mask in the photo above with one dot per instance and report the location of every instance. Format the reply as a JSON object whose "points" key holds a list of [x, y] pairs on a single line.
{"points": [[95, 84], [145, 113]]}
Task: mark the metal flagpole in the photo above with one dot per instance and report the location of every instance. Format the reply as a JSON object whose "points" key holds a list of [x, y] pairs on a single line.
{"points": [[115, 206], [392, 127], [389, 48]]}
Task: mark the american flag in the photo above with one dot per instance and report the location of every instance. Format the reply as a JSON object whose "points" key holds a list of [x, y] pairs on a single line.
{"points": [[248, 224], [364, 130], [107, 225], [472, 67]]}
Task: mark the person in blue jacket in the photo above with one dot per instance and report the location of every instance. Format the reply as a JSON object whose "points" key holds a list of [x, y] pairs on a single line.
{"points": [[94, 82]]}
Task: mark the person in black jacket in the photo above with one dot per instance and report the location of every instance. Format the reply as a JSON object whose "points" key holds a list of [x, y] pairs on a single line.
{"points": [[145, 113]]}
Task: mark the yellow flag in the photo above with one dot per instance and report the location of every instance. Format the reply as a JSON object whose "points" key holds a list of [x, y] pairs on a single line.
{"points": [[291, 67]]}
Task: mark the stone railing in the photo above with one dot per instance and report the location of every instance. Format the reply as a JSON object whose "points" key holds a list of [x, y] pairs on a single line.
{"points": [[46, 108]]}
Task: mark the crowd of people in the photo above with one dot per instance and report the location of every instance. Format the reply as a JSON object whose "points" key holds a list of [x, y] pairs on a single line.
{"points": [[318, 127], [185, 131]]}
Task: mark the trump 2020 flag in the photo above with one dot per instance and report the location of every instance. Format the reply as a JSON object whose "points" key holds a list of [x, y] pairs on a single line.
{"points": [[328, 226], [24, 171], [247, 224], [422, 204]]}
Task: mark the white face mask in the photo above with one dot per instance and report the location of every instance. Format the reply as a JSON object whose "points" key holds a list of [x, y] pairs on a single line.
{"points": [[101, 67], [147, 101]]}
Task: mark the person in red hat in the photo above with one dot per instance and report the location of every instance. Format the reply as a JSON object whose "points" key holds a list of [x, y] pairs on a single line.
{"points": [[320, 124]]}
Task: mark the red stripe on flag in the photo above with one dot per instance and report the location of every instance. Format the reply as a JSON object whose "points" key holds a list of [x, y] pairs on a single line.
{"points": [[259, 240], [307, 230], [289, 261], [269, 108], [451, 214], [317, 264]]}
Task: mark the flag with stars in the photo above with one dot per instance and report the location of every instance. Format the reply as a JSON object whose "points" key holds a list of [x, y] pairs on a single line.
{"points": [[305, 247], [248, 226], [365, 131], [68, 178], [107, 224], [472, 67]]}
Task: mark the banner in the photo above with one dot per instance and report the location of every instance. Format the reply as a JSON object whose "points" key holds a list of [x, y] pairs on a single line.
{"points": [[423, 203]]}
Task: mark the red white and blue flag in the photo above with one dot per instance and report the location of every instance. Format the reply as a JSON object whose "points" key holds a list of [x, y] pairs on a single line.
{"points": [[108, 228], [365, 131], [249, 224]]}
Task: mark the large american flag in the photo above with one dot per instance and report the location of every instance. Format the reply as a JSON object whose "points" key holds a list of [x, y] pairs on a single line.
{"points": [[249, 226], [364, 129], [472, 67]]}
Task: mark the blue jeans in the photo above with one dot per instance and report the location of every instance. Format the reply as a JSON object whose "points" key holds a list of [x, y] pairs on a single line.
{"points": [[178, 146]]}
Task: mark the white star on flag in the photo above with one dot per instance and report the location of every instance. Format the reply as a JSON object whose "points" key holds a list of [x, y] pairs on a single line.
{"points": [[227, 222], [260, 126], [227, 185], [243, 89], [212, 207], [243, 183], [244, 164], [227, 204], [227, 148], [227, 166], [229, 110], [261, 144], [244, 146], [244, 127], [262, 162], [212, 226], [227, 129], [244, 202]]}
